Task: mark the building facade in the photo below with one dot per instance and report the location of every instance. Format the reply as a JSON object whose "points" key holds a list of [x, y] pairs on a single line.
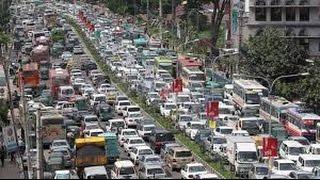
{"points": [[298, 19]]}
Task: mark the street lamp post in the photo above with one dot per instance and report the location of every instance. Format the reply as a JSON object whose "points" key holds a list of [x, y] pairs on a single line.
{"points": [[270, 87]]}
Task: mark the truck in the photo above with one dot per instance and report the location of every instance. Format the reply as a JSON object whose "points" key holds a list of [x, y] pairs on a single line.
{"points": [[90, 151], [50, 20], [241, 154], [29, 77], [57, 78], [111, 146], [53, 127]]}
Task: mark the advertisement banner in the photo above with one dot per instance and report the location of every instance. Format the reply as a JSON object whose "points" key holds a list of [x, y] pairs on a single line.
{"points": [[212, 109], [177, 85], [270, 147], [9, 138]]}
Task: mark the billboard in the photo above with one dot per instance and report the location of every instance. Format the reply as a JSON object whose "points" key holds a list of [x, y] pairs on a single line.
{"points": [[9, 138]]}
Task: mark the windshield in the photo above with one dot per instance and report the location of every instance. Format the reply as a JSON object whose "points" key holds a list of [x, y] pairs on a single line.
{"points": [[59, 144], [286, 166], [67, 91], [101, 98], [185, 118], [135, 109], [155, 171], [262, 170], [154, 159], [118, 124], [194, 169], [124, 104], [160, 85], [91, 119], [304, 142], [296, 150], [225, 111], [129, 133], [145, 152], [249, 124], [122, 98], [226, 131], [96, 133], [197, 77], [183, 154], [247, 156], [62, 176], [312, 163], [98, 176], [183, 99], [149, 128], [126, 170], [164, 137], [170, 106], [135, 115], [252, 98], [219, 141], [197, 126], [136, 141]]}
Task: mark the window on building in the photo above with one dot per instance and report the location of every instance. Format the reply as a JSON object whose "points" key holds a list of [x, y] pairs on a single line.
{"points": [[275, 2], [304, 2], [304, 43], [261, 14], [290, 14], [290, 32], [260, 2], [304, 14], [276, 14], [289, 2]]}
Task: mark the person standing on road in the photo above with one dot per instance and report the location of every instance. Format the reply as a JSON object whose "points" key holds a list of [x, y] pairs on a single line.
{"points": [[2, 154]]}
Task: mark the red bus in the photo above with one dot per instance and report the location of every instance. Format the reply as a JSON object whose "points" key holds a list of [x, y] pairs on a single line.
{"points": [[57, 78], [186, 61], [298, 122]]}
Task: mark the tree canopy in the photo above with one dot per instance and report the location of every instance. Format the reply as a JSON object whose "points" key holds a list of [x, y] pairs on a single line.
{"points": [[271, 55]]}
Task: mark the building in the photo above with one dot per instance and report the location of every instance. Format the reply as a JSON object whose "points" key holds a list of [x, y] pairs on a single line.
{"points": [[299, 19]]}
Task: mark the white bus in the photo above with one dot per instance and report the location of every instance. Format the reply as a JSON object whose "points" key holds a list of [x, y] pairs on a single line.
{"points": [[246, 96], [193, 74], [278, 106], [3, 85]]}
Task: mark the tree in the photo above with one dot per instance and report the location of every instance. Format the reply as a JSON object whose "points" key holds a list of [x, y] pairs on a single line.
{"points": [[271, 55]]}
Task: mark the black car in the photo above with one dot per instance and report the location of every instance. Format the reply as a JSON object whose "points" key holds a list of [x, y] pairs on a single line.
{"points": [[159, 137]]}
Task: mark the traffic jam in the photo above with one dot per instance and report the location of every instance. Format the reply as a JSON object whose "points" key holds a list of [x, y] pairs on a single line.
{"points": [[84, 101]]}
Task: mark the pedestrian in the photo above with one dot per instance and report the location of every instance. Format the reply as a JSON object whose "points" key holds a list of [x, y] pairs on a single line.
{"points": [[2, 154], [13, 157]]}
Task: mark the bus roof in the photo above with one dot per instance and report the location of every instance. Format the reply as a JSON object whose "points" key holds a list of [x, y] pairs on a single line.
{"points": [[192, 70], [249, 84], [99, 141], [187, 61], [298, 112], [279, 102], [30, 67]]}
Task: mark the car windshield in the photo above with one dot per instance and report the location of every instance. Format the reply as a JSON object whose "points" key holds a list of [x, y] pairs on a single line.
{"points": [[296, 150], [149, 128], [252, 98], [304, 142], [170, 106], [161, 137], [154, 159], [60, 143], [126, 170], [312, 163], [225, 111], [183, 99], [183, 154], [91, 119], [287, 166], [185, 118], [247, 156], [96, 133], [219, 141], [62, 176], [155, 171], [135, 115], [129, 133], [124, 103], [197, 126], [118, 124], [194, 169], [100, 98], [134, 109], [226, 131], [136, 141], [145, 152], [262, 170]]}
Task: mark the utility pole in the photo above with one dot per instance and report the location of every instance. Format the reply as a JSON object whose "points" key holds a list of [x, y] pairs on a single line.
{"points": [[39, 145], [148, 16], [160, 14], [173, 13]]}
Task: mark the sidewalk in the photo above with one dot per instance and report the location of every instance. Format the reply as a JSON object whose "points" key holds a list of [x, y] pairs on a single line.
{"points": [[10, 171]]}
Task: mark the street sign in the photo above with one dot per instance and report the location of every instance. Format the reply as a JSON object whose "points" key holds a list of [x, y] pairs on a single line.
{"points": [[177, 85], [270, 147], [9, 138]]}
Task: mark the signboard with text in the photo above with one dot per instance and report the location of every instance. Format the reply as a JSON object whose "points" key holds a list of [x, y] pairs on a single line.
{"points": [[9, 138], [270, 147]]}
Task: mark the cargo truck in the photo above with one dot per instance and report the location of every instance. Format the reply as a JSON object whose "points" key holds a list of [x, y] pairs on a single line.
{"points": [[111, 146], [90, 151], [241, 153], [53, 127]]}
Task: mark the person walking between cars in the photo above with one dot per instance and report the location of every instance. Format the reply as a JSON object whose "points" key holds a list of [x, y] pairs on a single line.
{"points": [[2, 154]]}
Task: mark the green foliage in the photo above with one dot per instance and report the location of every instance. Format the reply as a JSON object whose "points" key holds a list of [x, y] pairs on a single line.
{"points": [[57, 36], [270, 55], [4, 14], [4, 38]]}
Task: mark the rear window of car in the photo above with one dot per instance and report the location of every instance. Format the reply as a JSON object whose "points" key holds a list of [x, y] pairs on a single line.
{"points": [[182, 154], [160, 137]]}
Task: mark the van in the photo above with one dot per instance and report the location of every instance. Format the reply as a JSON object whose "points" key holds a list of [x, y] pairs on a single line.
{"points": [[177, 157], [291, 150], [307, 162], [123, 170], [95, 172]]}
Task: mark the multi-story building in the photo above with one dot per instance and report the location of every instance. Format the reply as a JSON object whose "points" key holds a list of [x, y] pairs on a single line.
{"points": [[298, 19]]}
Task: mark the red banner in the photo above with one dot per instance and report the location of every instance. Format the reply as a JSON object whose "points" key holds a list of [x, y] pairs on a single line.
{"points": [[91, 27], [177, 85], [212, 109], [270, 147]]}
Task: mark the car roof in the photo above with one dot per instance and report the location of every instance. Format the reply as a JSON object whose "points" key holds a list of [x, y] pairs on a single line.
{"points": [[292, 143], [95, 170], [284, 161], [125, 163], [142, 147], [310, 156]]}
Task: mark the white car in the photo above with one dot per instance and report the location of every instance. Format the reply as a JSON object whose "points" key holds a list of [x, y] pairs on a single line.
{"points": [[61, 143], [283, 167], [93, 132], [126, 133], [183, 120], [130, 109], [97, 98], [191, 170], [223, 130], [132, 142], [113, 125], [102, 88], [193, 127], [133, 118], [120, 105], [85, 86], [145, 129], [138, 151], [291, 150], [166, 108]]}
